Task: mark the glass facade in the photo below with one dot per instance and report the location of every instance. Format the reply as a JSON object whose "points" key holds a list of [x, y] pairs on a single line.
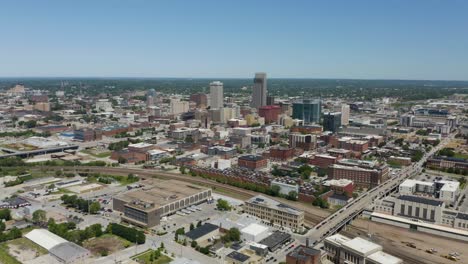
{"points": [[308, 110]]}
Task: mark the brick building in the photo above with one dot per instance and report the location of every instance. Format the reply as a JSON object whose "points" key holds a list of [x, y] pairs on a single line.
{"points": [[281, 153], [367, 178], [87, 134], [270, 113], [323, 161], [303, 255], [252, 162]]}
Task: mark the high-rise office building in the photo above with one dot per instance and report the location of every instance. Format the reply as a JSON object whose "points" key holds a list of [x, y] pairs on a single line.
{"points": [[345, 114], [308, 110], [331, 121], [259, 93], [216, 95], [271, 100]]}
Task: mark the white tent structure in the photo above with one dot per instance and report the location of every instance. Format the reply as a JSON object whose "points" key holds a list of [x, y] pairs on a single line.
{"points": [[45, 238]]}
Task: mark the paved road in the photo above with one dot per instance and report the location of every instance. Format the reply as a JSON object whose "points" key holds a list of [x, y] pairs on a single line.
{"points": [[338, 219]]}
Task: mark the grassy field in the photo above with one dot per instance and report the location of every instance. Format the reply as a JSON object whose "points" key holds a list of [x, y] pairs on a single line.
{"points": [[5, 257], [145, 258], [24, 242], [104, 154], [461, 156]]}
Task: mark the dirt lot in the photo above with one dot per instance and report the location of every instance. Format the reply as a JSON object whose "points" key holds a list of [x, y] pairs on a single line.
{"points": [[23, 249], [394, 240], [106, 243]]}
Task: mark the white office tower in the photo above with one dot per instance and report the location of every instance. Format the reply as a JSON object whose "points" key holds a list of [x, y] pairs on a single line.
{"points": [[345, 114], [259, 94], [178, 107], [149, 100], [216, 95]]}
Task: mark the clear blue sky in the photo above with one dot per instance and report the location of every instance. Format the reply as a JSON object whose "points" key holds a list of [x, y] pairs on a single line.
{"points": [[391, 39]]}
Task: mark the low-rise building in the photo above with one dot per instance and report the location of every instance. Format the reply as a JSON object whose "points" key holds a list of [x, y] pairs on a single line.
{"points": [[275, 240], [146, 206], [419, 208], [286, 185], [201, 234], [341, 250], [236, 258], [447, 191], [367, 178], [303, 255], [281, 153], [275, 212], [252, 162]]}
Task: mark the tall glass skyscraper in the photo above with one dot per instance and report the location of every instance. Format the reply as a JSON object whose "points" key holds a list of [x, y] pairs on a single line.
{"points": [[331, 121], [308, 110], [259, 93]]}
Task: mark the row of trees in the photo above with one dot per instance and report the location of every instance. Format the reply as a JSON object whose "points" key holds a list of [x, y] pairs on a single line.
{"points": [[81, 204], [128, 233], [69, 232]]}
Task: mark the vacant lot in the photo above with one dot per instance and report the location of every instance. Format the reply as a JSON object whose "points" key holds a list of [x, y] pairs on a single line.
{"points": [[106, 244], [24, 249]]}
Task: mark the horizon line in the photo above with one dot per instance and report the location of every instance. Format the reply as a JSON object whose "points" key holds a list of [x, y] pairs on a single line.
{"points": [[228, 78]]}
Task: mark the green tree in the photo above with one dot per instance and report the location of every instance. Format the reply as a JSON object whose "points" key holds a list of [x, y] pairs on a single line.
{"points": [[223, 205], [94, 207], [39, 217], [5, 214], [274, 190], [233, 234], [192, 226], [292, 195]]}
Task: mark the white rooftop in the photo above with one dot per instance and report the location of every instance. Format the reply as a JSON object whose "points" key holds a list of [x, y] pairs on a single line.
{"points": [[156, 151], [337, 239], [362, 246], [140, 145], [450, 186], [45, 238], [381, 257], [340, 182], [254, 229]]}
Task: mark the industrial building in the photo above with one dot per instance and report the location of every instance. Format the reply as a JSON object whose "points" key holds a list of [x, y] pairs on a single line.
{"points": [[146, 206], [341, 249], [62, 250], [275, 212]]}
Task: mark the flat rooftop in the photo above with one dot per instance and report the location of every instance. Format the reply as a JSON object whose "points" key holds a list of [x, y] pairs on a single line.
{"points": [[160, 193], [384, 258], [362, 246], [422, 200], [270, 203], [337, 239]]}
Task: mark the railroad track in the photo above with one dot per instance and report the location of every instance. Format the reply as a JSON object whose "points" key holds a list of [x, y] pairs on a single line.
{"points": [[309, 217]]}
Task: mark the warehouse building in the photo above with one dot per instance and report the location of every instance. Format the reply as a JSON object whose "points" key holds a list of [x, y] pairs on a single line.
{"points": [[145, 207], [201, 233], [341, 249], [275, 212], [62, 250]]}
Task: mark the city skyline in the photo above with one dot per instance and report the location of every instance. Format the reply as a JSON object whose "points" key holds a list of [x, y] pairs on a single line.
{"points": [[420, 40]]}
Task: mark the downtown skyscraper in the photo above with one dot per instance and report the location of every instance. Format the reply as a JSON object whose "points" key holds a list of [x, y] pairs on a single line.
{"points": [[259, 93], [216, 95]]}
